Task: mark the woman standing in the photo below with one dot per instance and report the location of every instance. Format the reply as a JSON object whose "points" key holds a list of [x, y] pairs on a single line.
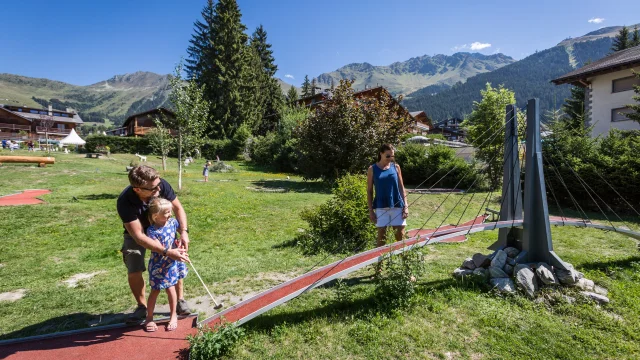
{"points": [[389, 207]]}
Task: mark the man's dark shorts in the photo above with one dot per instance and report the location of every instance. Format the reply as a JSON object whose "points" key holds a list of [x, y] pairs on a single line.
{"points": [[133, 255]]}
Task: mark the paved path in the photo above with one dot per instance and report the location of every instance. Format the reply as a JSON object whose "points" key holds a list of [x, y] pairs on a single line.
{"points": [[27, 197]]}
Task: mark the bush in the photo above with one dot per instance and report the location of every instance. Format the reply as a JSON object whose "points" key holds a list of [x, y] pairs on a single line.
{"points": [[276, 151], [419, 162], [214, 343], [118, 144], [613, 158], [396, 281], [342, 223], [227, 149]]}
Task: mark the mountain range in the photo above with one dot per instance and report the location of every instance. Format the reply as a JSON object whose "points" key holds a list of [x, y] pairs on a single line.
{"points": [[416, 73], [442, 85]]}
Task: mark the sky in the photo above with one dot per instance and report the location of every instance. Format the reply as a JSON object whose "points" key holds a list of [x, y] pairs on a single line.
{"points": [[84, 42]]}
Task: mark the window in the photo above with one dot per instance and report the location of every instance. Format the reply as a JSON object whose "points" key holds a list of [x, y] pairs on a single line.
{"points": [[64, 115], [44, 113], [33, 111], [56, 114], [19, 110], [618, 114], [625, 84]]}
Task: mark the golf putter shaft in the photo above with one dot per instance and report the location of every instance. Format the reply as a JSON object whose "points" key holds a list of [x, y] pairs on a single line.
{"points": [[217, 306]]}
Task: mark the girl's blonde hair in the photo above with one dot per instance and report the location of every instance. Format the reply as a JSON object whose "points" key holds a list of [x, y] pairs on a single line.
{"points": [[158, 205]]}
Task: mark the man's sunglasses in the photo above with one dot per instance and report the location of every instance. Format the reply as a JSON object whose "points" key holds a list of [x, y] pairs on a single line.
{"points": [[157, 187]]}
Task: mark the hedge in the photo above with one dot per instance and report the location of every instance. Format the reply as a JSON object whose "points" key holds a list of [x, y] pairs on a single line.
{"points": [[119, 144]]}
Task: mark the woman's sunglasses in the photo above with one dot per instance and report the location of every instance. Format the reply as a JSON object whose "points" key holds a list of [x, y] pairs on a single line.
{"points": [[389, 156]]}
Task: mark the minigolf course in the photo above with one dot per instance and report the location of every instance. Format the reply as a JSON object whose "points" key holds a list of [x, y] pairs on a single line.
{"points": [[132, 342], [26, 197]]}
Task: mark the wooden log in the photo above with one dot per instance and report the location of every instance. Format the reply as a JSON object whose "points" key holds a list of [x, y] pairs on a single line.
{"points": [[28, 159]]}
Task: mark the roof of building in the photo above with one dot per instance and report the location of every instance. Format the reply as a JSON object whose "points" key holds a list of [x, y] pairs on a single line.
{"points": [[416, 113], [31, 117], [148, 112], [619, 60]]}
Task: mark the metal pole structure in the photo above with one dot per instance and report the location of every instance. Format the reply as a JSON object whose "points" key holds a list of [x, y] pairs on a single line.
{"points": [[511, 191], [537, 245]]}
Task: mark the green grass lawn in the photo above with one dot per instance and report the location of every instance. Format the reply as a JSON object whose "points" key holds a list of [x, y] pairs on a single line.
{"points": [[239, 245]]}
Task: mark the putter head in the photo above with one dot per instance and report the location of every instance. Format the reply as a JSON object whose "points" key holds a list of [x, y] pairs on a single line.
{"points": [[219, 306]]}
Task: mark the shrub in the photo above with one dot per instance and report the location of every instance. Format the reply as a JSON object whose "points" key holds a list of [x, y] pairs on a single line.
{"points": [[396, 281], [227, 149], [342, 223], [419, 162], [214, 343], [118, 144]]}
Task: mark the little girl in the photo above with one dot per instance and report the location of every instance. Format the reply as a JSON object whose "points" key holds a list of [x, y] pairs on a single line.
{"points": [[164, 272], [205, 171]]}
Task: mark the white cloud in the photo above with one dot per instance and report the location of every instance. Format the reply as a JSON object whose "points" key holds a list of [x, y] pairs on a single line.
{"points": [[479, 46], [289, 76], [596, 20], [459, 47]]}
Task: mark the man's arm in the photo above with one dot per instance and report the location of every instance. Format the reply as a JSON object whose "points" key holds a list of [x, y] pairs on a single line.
{"points": [[134, 229], [181, 216]]}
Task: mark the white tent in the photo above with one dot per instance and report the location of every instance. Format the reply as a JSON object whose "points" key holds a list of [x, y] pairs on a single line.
{"points": [[72, 139]]}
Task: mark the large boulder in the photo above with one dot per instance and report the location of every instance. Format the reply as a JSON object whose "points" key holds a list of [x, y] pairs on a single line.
{"points": [[481, 260], [481, 273], [496, 272], [567, 277], [526, 279], [503, 285], [508, 269], [585, 284], [511, 252], [469, 264], [546, 275], [499, 260]]}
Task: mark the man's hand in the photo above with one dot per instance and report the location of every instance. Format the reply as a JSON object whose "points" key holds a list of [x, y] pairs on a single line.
{"points": [[178, 254], [372, 216], [183, 242]]}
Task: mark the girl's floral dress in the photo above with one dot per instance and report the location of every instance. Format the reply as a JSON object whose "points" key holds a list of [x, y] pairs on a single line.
{"points": [[163, 271]]}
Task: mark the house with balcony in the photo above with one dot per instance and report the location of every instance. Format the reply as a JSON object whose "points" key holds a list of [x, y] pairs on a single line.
{"points": [[28, 123], [422, 125], [608, 85], [139, 124]]}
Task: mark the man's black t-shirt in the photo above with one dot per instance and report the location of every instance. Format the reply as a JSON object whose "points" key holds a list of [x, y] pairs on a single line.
{"points": [[131, 208]]}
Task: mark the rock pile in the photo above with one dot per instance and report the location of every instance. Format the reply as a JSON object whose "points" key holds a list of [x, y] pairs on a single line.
{"points": [[503, 273]]}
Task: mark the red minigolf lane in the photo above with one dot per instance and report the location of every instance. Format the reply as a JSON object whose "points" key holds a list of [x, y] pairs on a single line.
{"points": [[27, 197], [130, 343]]}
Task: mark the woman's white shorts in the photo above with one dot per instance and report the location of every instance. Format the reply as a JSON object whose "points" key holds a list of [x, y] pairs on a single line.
{"points": [[390, 217]]}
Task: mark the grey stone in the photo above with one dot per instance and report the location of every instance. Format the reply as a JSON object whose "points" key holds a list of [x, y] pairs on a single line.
{"points": [[511, 261], [526, 279], [481, 273], [567, 277], [546, 275], [461, 273], [499, 260], [568, 299], [468, 264], [481, 260], [496, 272], [508, 269], [601, 299], [585, 284], [511, 252], [503, 285], [600, 290]]}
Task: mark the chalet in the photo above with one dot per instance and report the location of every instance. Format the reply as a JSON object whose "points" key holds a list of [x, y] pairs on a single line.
{"points": [[609, 89], [423, 123], [139, 124], [450, 129], [375, 92], [27, 123]]}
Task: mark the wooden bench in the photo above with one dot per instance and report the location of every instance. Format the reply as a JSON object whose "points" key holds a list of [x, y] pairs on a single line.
{"points": [[41, 161], [95, 155]]}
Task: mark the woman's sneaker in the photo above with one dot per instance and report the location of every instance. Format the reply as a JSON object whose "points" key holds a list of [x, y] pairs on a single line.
{"points": [[183, 308]]}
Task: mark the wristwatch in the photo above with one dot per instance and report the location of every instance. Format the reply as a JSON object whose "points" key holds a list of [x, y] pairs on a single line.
{"points": [[186, 230], [164, 252]]}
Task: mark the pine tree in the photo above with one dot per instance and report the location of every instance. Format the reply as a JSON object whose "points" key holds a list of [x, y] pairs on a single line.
{"points": [[292, 96], [333, 85], [635, 38], [621, 41], [306, 87], [573, 109], [313, 86], [635, 115], [228, 61], [253, 99], [200, 44], [272, 99]]}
